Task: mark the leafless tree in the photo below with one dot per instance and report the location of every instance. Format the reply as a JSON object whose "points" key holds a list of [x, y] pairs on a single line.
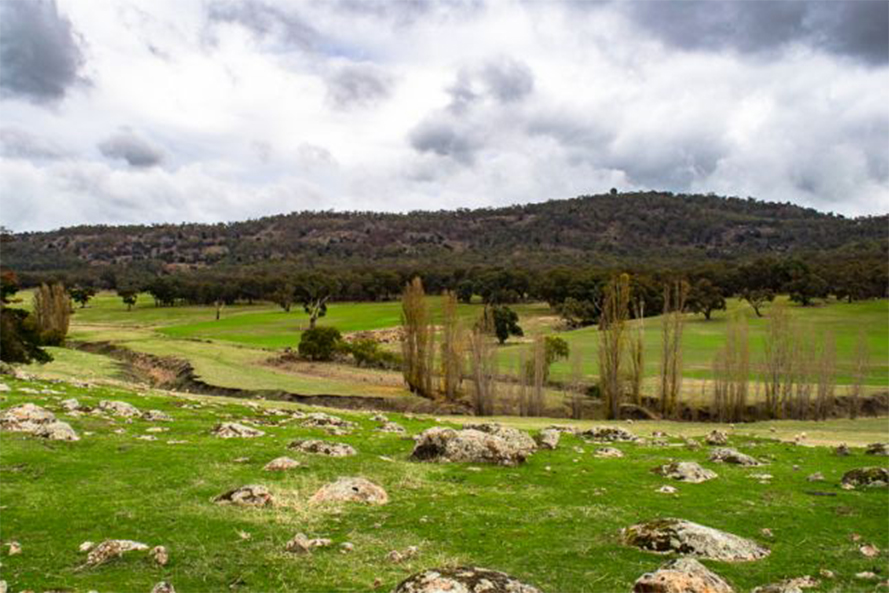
{"points": [[52, 312], [671, 346], [418, 339], [576, 385], [637, 352], [826, 377], [860, 364], [483, 357], [612, 342], [453, 347]]}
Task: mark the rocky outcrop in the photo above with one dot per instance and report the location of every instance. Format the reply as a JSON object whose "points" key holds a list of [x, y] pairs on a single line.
{"points": [[351, 490], [463, 579], [692, 539], [516, 439], [472, 446], [318, 447], [685, 471], [25, 418], [717, 437], [548, 438], [867, 477], [685, 575], [733, 456], [56, 431]]}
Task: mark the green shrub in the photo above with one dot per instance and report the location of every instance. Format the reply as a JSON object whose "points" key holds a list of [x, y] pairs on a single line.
{"points": [[320, 343], [367, 353]]}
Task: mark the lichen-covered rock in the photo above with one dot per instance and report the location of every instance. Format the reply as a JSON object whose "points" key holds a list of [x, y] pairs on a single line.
{"points": [[608, 434], [870, 477], [56, 431], [789, 585], [685, 471], [25, 418], [685, 575], [717, 437], [156, 416], [318, 447], [517, 439], [280, 464], [733, 456], [351, 490], [234, 430], [692, 539], [113, 548], [608, 452], [322, 420], [472, 446], [160, 555], [877, 449], [548, 438], [119, 408], [250, 495], [463, 579], [70, 405], [300, 544]]}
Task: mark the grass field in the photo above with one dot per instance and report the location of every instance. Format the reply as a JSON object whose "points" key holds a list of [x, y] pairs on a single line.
{"points": [[233, 351], [553, 521]]}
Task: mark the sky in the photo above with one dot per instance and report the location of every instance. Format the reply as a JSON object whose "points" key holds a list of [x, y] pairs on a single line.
{"points": [[221, 110]]}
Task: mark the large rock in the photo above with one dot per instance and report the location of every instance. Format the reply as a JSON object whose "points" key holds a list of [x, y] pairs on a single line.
{"points": [[322, 448], [717, 437], [685, 471], [472, 446], [548, 438], [685, 575], [877, 449], [516, 438], [608, 434], [733, 456], [871, 477], [463, 579], [119, 408], [25, 418], [56, 431], [351, 490], [692, 539], [233, 430], [250, 495], [113, 548]]}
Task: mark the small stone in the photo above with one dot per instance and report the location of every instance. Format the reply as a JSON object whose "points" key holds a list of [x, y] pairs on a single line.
{"points": [[548, 438], [816, 477], [232, 430], [869, 550], [881, 449], [351, 490], [826, 574], [251, 495], [281, 464], [119, 408], [609, 452], [160, 555], [462, 579], [15, 548], [795, 585], [684, 575], [347, 547], [727, 455], [866, 576], [112, 548], [163, 587], [156, 416], [86, 546], [392, 427], [717, 437], [685, 471], [300, 544], [396, 556], [318, 447], [766, 532], [842, 450], [667, 490]]}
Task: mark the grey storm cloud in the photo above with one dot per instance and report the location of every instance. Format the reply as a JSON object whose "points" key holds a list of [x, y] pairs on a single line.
{"points": [[358, 85], [19, 144], [266, 20], [857, 28], [508, 79], [406, 12], [136, 151], [443, 134], [40, 53]]}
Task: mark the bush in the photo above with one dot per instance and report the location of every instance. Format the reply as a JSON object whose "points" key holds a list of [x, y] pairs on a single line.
{"points": [[320, 343], [367, 353]]}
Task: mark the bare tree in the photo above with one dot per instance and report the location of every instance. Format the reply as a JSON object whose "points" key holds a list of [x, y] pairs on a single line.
{"points": [[731, 372], [576, 385], [612, 342], [538, 377], [804, 370], [859, 372], [418, 339], [483, 357], [826, 389], [52, 313], [637, 352], [671, 346], [779, 351], [453, 347]]}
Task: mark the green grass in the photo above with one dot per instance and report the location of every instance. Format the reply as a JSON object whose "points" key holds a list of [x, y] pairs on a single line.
{"points": [[553, 522]]}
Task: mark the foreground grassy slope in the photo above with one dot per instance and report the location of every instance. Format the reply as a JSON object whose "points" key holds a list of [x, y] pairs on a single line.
{"points": [[553, 521]]}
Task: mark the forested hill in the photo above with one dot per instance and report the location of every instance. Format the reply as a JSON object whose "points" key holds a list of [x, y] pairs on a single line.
{"points": [[602, 229]]}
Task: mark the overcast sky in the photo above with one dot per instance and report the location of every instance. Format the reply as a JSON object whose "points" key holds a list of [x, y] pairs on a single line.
{"points": [[221, 110]]}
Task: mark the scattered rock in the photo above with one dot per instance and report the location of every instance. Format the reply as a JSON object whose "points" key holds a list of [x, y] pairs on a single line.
{"points": [[251, 495], [685, 537], [281, 464], [351, 490], [232, 430], [548, 438], [112, 548], [146, 437], [160, 555], [157, 429], [717, 437], [300, 544], [322, 447], [877, 449], [379, 418], [789, 585], [119, 408], [826, 574], [347, 547], [866, 576], [56, 431], [816, 477], [608, 434], [609, 452], [15, 548], [71, 405], [842, 450], [727, 455], [766, 532], [871, 477], [156, 416], [392, 427], [86, 546], [163, 587], [468, 445], [517, 439], [25, 418], [322, 420], [685, 471], [692, 444], [463, 579], [666, 489], [867, 550], [685, 575], [395, 556]]}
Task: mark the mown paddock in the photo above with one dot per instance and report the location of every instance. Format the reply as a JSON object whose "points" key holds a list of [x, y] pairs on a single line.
{"points": [[553, 521]]}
